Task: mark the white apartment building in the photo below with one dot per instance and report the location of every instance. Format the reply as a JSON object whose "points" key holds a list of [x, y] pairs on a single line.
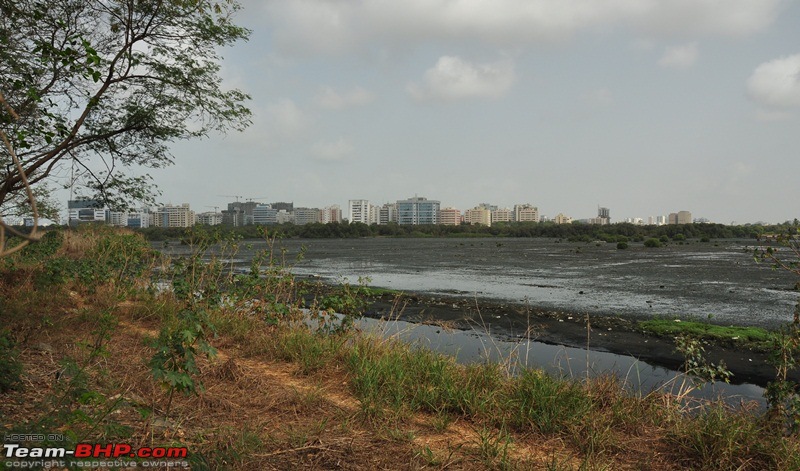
{"points": [[359, 211], [374, 214]]}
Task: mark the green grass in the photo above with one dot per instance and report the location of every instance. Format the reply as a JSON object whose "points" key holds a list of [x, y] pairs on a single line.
{"points": [[753, 337]]}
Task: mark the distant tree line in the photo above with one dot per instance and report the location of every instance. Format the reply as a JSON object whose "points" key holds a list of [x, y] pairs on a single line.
{"points": [[575, 232]]}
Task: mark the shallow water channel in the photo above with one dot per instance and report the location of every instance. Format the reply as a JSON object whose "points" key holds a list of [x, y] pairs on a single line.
{"points": [[471, 346]]}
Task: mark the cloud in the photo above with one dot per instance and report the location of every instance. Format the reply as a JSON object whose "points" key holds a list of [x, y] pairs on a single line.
{"points": [[286, 119], [340, 26], [331, 99], [679, 57], [776, 83], [335, 151], [453, 78]]}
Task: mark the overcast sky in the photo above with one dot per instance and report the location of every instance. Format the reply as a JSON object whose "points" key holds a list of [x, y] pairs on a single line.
{"points": [[644, 106]]}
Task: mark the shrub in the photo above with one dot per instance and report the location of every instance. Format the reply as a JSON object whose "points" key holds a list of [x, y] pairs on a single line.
{"points": [[10, 367], [652, 242], [622, 245]]}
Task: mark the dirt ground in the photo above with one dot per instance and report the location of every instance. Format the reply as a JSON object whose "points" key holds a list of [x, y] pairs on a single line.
{"points": [[257, 413]]}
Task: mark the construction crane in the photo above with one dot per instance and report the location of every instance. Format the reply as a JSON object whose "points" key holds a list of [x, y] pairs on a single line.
{"points": [[256, 198], [216, 208], [231, 196]]}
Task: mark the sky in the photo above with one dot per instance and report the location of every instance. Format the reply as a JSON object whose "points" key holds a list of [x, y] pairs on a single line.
{"points": [[643, 106]]}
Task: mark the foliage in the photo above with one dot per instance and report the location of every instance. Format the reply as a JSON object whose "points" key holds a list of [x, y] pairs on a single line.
{"points": [[105, 86], [50, 242], [783, 395], [612, 233], [695, 363], [174, 364], [10, 366], [652, 242]]}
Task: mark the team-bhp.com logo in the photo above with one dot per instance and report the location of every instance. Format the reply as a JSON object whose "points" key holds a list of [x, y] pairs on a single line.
{"points": [[24, 456]]}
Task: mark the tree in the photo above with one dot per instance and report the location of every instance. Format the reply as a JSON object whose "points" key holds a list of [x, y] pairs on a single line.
{"points": [[90, 88]]}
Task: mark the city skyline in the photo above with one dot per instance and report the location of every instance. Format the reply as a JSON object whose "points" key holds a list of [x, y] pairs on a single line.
{"points": [[638, 106], [413, 210]]}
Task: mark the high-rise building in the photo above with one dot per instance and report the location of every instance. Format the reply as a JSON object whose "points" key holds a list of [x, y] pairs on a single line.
{"points": [[526, 213], [174, 216], [672, 218], [374, 215], [478, 215], [331, 214], [450, 216], [417, 210], [684, 217], [388, 213], [604, 214], [359, 211]]}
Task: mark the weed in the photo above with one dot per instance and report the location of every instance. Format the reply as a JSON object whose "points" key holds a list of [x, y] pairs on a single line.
{"points": [[717, 439], [10, 366], [174, 364], [493, 447], [546, 404]]}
